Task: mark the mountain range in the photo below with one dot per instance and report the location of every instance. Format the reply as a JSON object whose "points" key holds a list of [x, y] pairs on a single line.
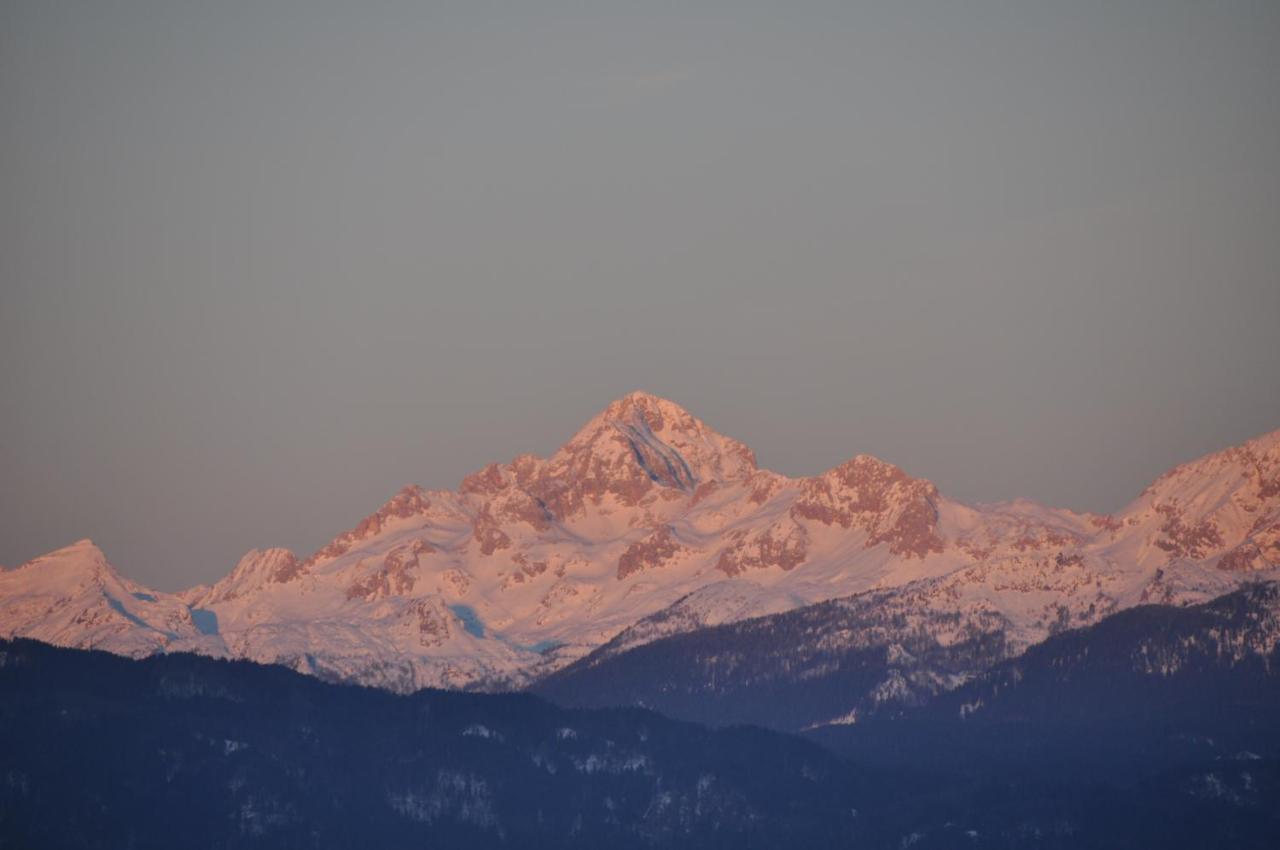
{"points": [[1155, 727], [648, 528]]}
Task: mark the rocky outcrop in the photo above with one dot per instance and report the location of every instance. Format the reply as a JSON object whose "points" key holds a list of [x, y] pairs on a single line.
{"points": [[649, 553], [411, 501], [783, 546], [879, 498]]}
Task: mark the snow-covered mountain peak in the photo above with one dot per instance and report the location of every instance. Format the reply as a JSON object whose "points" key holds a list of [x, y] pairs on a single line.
{"points": [[878, 497], [646, 404], [1256, 461], [871, 476], [82, 558], [1265, 443], [1225, 505], [641, 404], [73, 596], [641, 452], [409, 502], [258, 568], [668, 444]]}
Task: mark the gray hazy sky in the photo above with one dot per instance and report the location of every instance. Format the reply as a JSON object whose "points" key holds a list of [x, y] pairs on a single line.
{"points": [[265, 262]]}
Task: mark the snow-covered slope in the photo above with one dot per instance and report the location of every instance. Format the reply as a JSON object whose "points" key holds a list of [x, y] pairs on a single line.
{"points": [[648, 523], [73, 597]]}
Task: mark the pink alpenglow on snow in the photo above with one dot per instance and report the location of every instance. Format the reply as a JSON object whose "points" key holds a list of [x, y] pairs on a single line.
{"points": [[646, 522]]}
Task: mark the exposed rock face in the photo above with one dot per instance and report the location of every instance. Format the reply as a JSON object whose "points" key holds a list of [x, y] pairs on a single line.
{"points": [[784, 546], [498, 488], [411, 501], [488, 533], [395, 576], [434, 623], [638, 444], [880, 499], [1259, 551], [256, 569], [1215, 505], [649, 553], [1183, 540], [486, 482]]}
